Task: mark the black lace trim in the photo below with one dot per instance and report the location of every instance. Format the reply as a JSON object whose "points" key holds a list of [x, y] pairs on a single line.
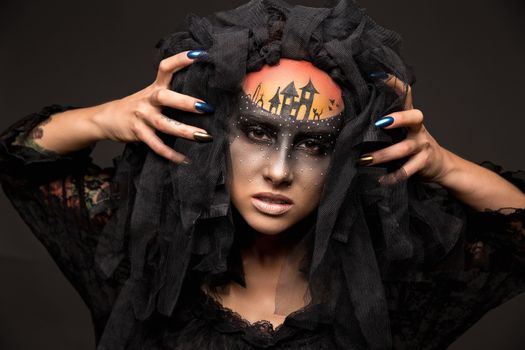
{"points": [[291, 332], [262, 327]]}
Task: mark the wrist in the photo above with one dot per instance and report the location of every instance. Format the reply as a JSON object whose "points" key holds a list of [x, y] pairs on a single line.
{"points": [[450, 169], [98, 120], [458, 175]]}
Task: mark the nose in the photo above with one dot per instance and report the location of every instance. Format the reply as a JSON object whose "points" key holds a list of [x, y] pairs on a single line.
{"points": [[278, 170]]}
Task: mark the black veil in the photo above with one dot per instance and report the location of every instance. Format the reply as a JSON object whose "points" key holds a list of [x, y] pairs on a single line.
{"points": [[174, 221]]}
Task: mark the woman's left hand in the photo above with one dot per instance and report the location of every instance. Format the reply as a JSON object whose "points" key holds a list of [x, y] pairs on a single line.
{"points": [[474, 185], [425, 156]]}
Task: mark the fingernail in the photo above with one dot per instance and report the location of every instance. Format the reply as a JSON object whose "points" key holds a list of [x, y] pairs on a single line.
{"points": [[379, 75], [384, 122], [196, 54], [186, 161], [365, 160], [204, 107], [202, 137]]}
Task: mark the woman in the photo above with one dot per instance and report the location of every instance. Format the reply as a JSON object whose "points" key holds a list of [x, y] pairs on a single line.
{"points": [[322, 259]]}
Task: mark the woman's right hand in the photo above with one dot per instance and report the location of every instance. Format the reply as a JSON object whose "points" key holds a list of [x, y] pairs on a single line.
{"points": [[138, 116]]}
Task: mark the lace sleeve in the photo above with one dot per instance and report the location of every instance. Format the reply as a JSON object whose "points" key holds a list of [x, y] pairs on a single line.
{"points": [[66, 200], [485, 269], [496, 239]]}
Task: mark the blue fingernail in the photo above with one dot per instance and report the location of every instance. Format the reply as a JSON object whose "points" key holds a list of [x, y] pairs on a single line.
{"points": [[196, 54], [384, 122], [379, 75], [204, 107]]}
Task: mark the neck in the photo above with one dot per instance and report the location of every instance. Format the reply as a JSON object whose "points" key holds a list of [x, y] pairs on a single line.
{"points": [[268, 249], [271, 250]]}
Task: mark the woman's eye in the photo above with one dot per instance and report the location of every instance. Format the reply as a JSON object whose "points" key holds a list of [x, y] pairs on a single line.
{"points": [[312, 146], [259, 134]]}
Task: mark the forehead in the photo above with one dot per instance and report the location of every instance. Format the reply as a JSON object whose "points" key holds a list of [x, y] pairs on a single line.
{"points": [[294, 90], [250, 114]]}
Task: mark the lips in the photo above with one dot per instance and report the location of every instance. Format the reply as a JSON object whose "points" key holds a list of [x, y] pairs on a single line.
{"points": [[271, 203], [273, 198]]}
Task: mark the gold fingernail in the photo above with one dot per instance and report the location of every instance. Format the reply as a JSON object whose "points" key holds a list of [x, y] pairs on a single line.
{"points": [[365, 160], [202, 137]]}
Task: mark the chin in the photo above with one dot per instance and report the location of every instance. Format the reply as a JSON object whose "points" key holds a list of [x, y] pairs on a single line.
{"points": [[268, 225]]}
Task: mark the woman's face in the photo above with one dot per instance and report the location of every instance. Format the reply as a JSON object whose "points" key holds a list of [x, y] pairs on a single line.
{"points": [[281, 144]]}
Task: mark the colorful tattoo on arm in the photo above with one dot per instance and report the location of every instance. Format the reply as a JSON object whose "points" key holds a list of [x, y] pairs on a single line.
{"points": [[29, 139]]}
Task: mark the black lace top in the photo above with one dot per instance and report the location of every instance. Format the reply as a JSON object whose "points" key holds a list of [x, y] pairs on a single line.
{"points": [[67, 200]]}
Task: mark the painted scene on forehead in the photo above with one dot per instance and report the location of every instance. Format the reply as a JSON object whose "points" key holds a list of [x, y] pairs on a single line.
{"points": [[294, 90]]}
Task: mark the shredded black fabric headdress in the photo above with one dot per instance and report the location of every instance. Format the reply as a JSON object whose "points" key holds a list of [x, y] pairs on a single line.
{"points": [[175, 221]]}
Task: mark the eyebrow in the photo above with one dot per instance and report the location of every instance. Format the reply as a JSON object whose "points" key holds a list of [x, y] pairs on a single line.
{"points": [[273, 122]]}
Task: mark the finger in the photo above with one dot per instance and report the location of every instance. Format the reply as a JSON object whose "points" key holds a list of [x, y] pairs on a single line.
{"points": [[415, 163], [399, 150], [393, 178], [173, 99], [174, 127], [401, 89], [412, 119], [171, 65], [148, 136], [412, 166]]}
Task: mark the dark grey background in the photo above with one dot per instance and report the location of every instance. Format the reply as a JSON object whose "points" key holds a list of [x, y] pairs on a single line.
{"points": [[468, 56]]}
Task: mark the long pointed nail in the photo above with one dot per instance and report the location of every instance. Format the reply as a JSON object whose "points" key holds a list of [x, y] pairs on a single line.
{"points": [[202, 137], [365, 160], [379, 75], [384, 122], [204, 107], [193, 54]]}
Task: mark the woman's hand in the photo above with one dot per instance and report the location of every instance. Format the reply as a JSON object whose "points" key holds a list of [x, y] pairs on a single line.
{"points": [[138, 116], [474, 185], [425, 156], [132, 118]]}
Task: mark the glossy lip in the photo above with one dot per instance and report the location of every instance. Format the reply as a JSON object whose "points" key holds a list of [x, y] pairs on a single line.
{"points": [[271, 208]]}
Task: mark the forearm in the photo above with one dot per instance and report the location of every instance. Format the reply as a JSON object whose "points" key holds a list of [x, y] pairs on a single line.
{"points": [[478, 187], [65, 132]]}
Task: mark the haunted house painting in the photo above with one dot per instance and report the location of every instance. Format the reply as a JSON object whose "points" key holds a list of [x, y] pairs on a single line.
{"points": [[288, 102]]}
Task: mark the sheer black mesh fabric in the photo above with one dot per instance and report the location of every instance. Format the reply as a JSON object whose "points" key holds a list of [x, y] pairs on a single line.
{"points": [[175, 221], [380, 254]]}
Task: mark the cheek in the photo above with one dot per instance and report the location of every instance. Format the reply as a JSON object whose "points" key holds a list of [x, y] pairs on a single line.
{"points": [[311, 169], [245, 166], [246, 159], [309, 178]]}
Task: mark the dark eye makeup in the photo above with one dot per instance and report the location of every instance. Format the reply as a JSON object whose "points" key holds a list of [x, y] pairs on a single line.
{"points": [[259, 133], [310, 142]]}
